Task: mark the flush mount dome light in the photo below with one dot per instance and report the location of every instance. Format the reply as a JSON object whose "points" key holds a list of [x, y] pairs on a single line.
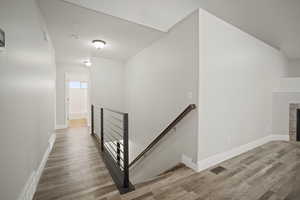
{"points": [[99, 44], [87, 63]]}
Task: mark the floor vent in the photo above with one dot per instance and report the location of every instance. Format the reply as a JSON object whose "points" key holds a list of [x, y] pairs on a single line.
{"points": [[218, 170]]}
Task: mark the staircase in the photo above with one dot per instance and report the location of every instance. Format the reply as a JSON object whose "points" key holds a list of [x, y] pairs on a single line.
{"points": [[173, 174], [113, 138], [171, 178]]}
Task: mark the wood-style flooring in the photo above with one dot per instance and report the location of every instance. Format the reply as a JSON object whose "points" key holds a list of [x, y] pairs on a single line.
{"points": [[77, 123], [75, 170]]}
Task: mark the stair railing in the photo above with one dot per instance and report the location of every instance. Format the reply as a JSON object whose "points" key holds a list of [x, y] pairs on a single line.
{"points": [[114, 144], [186, 111]]}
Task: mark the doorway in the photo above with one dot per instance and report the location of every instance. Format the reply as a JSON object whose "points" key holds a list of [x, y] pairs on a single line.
{"points": [[77, 101]]}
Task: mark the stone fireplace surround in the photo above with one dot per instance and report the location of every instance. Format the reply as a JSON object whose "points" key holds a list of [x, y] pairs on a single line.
{"points": [[293, 120]]}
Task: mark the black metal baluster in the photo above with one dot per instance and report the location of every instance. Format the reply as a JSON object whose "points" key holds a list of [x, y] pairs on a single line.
{"points": [[125, 154], [118, 152], [92, 119], [102, 132]]}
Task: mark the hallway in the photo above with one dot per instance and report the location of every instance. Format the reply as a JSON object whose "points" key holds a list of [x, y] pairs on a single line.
{"points": [[74, 169]]}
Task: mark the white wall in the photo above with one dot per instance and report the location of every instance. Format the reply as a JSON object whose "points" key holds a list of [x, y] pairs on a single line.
{"points": [[161, 81], [288, 92], [237, 76], [62, 70], [107, 87], [107, 83], [288, 84], [27, 84], [294, 68]]}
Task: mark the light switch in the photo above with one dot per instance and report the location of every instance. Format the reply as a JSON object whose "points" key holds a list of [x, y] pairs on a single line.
{"points": [[2, 40]]}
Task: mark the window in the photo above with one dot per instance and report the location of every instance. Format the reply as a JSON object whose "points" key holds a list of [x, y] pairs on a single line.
{"points": [[78, 84], [74, 84], [84, 85]]}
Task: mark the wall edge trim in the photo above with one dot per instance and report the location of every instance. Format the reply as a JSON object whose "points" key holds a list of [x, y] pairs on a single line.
{"points": [[60, 126], [32, 182], [187, 161]]}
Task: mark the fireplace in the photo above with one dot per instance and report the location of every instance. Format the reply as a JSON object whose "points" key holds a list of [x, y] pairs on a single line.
{"points": [[294, 122]]}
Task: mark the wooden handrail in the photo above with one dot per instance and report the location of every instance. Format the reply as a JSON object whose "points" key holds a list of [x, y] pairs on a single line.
{"points": [[115, 111], [111, 110], [188, 109]]}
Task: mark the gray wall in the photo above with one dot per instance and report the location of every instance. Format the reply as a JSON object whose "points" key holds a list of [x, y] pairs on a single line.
{"points": [[161, 81], [27, 74]]}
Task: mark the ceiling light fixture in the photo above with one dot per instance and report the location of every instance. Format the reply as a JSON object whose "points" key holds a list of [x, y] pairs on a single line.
{"points": [[87, 63], [99, 44]]}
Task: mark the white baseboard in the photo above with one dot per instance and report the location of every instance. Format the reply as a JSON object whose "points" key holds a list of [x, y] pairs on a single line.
{"points": [[61, 126], [218, 158], [187, 161], [31, 184], [28, 190], [285, 137]]}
